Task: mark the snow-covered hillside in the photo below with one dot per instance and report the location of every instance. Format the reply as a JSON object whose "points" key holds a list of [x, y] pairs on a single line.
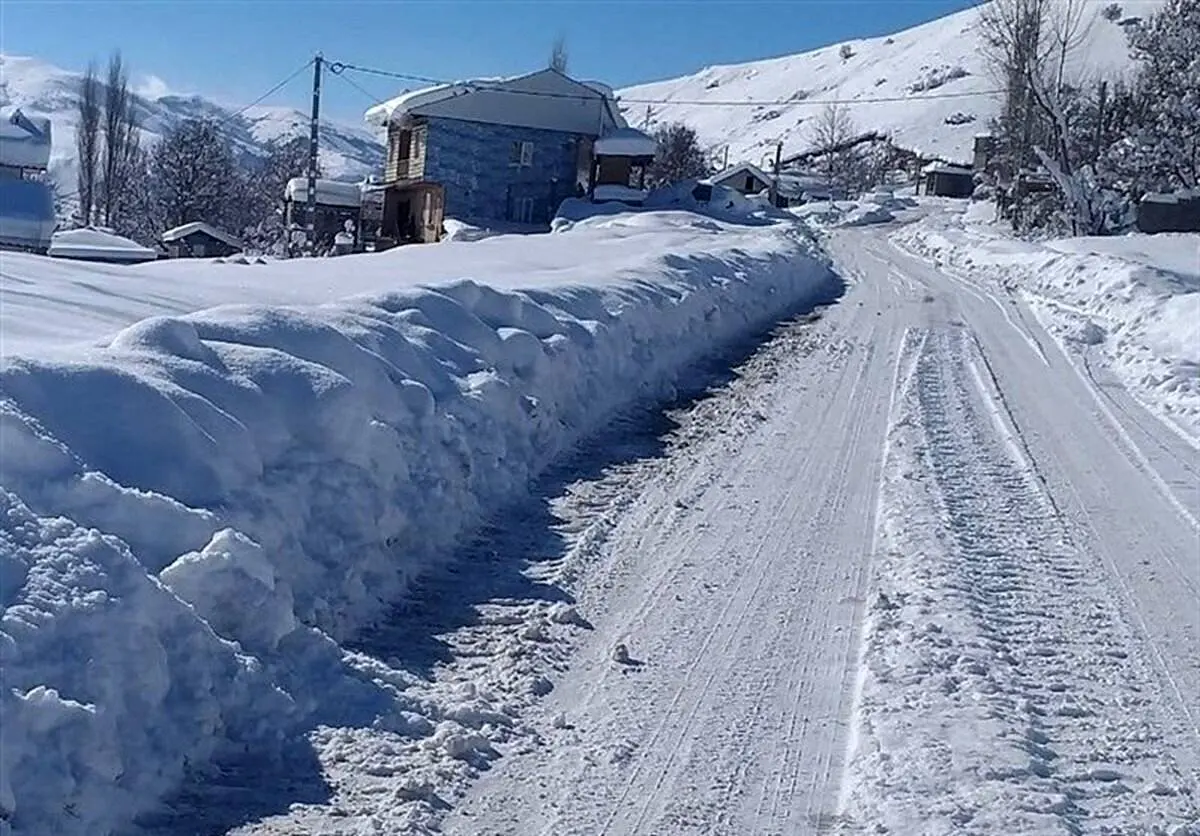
{"points": [[347, 151], [926, 87]]}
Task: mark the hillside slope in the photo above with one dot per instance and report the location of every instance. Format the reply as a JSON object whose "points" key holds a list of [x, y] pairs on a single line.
{"points": [[933, 79], [347, 151]]}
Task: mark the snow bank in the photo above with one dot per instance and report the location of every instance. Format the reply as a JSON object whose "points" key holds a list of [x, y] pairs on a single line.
{"points": [[283, 468], [1135, 299]]}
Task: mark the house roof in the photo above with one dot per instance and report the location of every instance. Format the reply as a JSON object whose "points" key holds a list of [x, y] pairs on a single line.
{"points": [[626, 142], [98, 244], [741, 168], [24, 140], [939, 167], [545, 99], [329, 192], [199, 226]]}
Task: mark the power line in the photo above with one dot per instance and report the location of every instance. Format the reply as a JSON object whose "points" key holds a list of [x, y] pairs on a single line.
{"points": [[270, 92], [339, 67], [374, 99]]}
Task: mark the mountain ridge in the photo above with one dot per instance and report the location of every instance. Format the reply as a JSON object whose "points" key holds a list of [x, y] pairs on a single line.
{"points": [[926, 87], [39, 88]]}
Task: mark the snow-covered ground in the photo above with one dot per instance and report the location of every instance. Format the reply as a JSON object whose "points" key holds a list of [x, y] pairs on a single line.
{"points": [[928, 88], [1132, 301], [214, 472]]}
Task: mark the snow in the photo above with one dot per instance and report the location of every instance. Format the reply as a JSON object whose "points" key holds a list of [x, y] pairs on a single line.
{"points": [[205, 500], [622, 194], [544, 99], [97, 244], [895, 577], [935, 87], [626, 142], [329, 192], [24, 140], [399, 106], [185, 230], [1133, 301]]}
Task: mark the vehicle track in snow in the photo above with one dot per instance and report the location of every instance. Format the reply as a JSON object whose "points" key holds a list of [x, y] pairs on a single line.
{"points": [[1012, 682]]}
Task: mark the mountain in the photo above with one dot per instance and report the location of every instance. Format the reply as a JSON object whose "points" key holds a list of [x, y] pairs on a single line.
{"points": [[914, 73], [347, 151]]}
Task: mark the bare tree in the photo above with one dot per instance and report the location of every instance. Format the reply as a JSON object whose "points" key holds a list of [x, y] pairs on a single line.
{"points": [[120, 137], [831, 134], [1030, 44], [558, 55], [87, 142]]}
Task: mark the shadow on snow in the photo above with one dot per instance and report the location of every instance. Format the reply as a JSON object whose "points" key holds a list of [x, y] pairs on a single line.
{"points": [[493, 567]]}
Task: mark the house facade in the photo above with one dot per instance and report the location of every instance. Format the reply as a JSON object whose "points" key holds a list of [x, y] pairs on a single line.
{"points": [[507, 150], [27, 218]]}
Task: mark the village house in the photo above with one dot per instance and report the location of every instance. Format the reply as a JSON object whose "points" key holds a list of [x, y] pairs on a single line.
{"points": [[26, 201], [946, 180], [791, 188], [508, 150], [198, 240]]}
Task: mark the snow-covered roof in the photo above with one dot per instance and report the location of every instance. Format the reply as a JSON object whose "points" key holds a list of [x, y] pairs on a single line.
{"points": [[199, 226], [97, 245], [545, 99], [939, 167], [329, 192], [24, 140], [626, 142], [728, 174]]}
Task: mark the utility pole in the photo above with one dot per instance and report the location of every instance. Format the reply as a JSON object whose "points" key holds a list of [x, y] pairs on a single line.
{"points": [[314, 130], [778, 162], [649, 113]]}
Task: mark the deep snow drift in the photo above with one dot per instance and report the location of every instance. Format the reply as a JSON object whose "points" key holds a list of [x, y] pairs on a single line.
{"points": [[1134, 299], [195, 506], [932, 79]]}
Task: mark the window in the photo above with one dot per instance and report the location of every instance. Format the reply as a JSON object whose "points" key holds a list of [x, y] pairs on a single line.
{"points": [[750, 184], [521, 154]]}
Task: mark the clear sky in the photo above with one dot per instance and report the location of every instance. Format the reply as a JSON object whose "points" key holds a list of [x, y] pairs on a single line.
{"points": [[236, 50]]}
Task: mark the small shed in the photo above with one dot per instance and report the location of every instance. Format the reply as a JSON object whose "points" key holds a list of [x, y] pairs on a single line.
{"points": [[1169, 212], [337, 202], [199, 240], [619, 162], [947, 180]]}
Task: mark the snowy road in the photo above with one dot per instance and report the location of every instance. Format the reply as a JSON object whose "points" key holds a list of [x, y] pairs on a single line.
{"points": [[1032, 642]]}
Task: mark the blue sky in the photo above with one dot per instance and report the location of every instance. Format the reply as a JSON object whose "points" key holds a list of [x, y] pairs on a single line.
{"points": [[236, 50]]}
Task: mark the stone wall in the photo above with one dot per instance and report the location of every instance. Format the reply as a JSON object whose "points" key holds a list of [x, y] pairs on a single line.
{"points": [[475, 164]]}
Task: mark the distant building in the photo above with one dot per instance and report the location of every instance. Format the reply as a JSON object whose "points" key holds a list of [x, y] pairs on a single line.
{"points": [[198, 240], [494, 150], [946, 180], [27, 218]]}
